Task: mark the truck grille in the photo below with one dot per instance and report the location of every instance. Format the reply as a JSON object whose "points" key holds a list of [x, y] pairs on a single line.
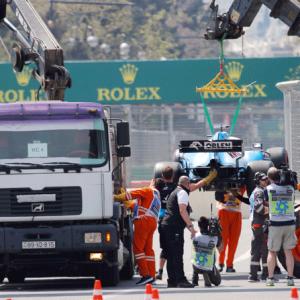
{"points": [[68, 201]]}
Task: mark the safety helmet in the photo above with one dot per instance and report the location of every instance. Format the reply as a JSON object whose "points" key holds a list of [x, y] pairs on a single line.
{"points": [[260, 176]]}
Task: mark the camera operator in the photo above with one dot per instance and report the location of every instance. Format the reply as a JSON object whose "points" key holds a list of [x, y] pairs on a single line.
{"points": [[258, 215], [282, 221], [204, 251]]}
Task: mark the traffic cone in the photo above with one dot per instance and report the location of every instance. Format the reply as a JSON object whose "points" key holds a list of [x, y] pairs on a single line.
{"points": [[294, 293], [155, 294], [148, 291], [97, 294]]}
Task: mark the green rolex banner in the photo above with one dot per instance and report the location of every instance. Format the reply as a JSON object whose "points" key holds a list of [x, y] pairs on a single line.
{"points": [[156, 82]]}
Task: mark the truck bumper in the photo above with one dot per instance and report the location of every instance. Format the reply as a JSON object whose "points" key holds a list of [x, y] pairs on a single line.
{"points": [[67, 238], [71, 255]]}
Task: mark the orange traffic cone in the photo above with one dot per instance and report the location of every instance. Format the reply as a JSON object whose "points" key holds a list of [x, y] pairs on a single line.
{"points": [[148, 291], [155, 294], [97, 294], [294, 293]]}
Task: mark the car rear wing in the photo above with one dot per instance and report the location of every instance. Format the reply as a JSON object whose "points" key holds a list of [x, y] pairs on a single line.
{"points": [[210, 146]]}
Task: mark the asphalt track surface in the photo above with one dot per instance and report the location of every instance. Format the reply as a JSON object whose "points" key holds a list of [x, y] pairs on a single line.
{"points": [[233, 286]]}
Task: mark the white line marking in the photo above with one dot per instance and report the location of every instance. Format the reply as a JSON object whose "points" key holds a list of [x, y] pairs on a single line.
{"points": [[244, 256]]}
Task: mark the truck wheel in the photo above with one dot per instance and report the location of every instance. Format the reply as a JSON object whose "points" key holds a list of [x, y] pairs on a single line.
{"points": [[2, 276], [174, 165], [16, 277], [279, 156], [109, 275], [252, 168], [127, 271]]}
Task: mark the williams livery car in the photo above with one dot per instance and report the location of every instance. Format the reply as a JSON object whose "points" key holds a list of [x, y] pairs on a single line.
{"points": [[236, 166]]}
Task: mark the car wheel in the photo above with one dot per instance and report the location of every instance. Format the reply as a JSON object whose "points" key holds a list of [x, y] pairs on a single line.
{"points": [[279, 156], [252, 168]]}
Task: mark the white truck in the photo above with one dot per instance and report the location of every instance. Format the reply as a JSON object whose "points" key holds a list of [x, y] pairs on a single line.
{"points": [[60, 163]]}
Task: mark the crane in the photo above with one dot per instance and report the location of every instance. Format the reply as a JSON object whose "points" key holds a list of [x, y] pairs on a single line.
{"points": [[36, 44], [241, 13]]}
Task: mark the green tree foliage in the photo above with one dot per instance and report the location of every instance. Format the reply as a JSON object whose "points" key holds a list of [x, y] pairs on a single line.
{"points": [[156, 29]]}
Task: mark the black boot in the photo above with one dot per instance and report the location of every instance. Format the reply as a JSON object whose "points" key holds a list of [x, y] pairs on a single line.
{"points": [[207, 281], [195, 279], [221, 267], [159, 274]]}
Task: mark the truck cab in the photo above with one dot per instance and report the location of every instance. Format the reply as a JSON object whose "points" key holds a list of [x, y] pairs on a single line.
{"points": [[57, 215]]}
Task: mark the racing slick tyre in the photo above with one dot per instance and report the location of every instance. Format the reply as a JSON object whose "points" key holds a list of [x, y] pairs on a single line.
{"points": [[295, 251], [127, 271], [174, 165], [279, 156], [253, 167]]}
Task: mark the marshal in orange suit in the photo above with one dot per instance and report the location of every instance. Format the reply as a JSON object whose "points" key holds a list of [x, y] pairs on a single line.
{"points": [[145, 204], [230, 217]]}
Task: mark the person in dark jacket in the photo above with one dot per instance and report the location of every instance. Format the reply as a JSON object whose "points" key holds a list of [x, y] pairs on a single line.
{"points": [[259, 211], [167, 175], [173, 225]]}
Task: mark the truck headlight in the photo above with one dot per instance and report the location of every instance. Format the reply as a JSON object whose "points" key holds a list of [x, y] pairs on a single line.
{"points": [[92, 237], [96, 256]]}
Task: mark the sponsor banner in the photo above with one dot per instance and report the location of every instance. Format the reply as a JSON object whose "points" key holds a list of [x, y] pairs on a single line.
{"points": [[156, 82]]}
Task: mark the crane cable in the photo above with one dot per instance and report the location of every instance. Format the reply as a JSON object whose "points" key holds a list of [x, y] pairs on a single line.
{"points": [[221, 83]]}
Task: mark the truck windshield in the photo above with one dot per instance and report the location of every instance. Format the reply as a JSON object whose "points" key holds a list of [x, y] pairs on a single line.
{"points": [[78, 141]]}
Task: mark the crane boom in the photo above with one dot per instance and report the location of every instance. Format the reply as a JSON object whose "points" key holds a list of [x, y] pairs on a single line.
{"points": [[35, 43], [242, 13]]}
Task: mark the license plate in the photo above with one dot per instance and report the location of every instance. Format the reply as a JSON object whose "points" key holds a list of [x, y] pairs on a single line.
{"points": [[38, 245]]}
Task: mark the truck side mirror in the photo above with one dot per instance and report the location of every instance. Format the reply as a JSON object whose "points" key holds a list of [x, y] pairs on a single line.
{"points": [[123, 137], [124, 151]]}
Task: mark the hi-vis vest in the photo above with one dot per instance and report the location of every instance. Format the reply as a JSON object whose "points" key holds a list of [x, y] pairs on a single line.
{"points": [[204, 251], [147, 206], [281, 203]]}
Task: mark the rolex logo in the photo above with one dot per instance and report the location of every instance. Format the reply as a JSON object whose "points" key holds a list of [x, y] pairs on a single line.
{"points": [[128, 73], [23, 77], [234, 70]]}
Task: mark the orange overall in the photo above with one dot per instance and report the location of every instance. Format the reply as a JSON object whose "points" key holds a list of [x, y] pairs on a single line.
{"points": [[146, 210], [230, 217]]}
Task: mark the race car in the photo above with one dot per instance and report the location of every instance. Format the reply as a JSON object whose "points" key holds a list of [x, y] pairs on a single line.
{"points": [[236, 167]]}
